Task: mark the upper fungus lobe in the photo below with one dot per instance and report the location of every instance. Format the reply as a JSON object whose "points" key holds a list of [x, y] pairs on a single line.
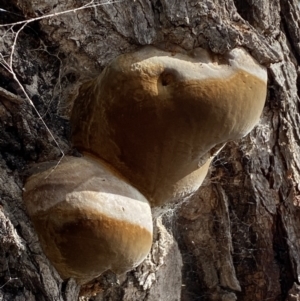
{"points": [[156, 115]]}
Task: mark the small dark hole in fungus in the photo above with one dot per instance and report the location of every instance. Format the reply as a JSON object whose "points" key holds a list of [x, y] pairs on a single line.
{"points": [[167, 78]]}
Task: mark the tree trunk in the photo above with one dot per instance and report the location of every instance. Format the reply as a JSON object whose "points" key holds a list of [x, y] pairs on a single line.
{"points": [[238, 237]]}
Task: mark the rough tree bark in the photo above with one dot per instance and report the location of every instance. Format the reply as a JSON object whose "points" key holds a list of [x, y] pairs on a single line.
{"points": [[238, 237]]}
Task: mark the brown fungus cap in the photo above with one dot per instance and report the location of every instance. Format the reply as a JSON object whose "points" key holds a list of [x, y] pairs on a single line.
{"points": [[88, 218], [158, 117]]}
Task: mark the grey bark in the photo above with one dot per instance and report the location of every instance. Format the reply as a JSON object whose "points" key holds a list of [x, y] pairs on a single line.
{"points": [[238, 236]]}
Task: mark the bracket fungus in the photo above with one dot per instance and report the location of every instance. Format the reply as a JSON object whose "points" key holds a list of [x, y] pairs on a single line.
{"points": [[157, 117], [88, 218], [148, 128]]}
